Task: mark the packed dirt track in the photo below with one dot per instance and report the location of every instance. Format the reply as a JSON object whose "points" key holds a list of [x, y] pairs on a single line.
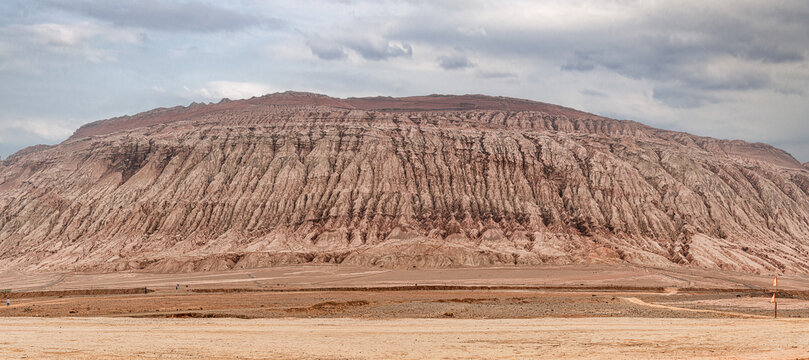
{"points": [[340, 312], [591, 338], [331, 275]]}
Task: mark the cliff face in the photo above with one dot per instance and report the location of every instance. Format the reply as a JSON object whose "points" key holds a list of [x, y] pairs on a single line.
{"points": [[428, 181]]}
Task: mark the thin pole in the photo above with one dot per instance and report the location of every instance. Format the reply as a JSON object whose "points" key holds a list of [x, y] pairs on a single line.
{"points": [[774, 300]]}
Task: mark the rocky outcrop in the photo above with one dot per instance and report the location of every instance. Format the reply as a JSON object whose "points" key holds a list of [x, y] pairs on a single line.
{"points": [[431, 181]]}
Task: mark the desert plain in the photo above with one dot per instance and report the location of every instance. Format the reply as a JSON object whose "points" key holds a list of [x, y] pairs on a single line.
{"points": [[344, 312]]}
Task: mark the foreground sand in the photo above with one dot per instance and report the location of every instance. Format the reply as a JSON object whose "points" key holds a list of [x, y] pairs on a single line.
{"points": [[592, 338], [336, 312]]}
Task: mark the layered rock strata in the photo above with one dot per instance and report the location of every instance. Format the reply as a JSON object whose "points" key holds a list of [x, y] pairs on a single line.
{"points": [[434, 181]]}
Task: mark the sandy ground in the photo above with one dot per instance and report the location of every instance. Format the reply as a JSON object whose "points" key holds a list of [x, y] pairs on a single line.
{"points": [[336, 312], [593, 338]]}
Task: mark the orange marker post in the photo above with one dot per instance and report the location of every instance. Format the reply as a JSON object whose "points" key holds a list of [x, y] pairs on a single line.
{"points": [[773, 301]]}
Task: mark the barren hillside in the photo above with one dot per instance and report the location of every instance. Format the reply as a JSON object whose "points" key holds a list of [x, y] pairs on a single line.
{"points": [[432, 181]]}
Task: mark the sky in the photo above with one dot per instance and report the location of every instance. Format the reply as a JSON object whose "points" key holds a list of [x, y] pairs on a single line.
{"points": [[726, 69]]}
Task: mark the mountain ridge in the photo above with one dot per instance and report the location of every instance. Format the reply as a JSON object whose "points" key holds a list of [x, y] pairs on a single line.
{"points": [[391, 104], [429, 181], [434, 102]]}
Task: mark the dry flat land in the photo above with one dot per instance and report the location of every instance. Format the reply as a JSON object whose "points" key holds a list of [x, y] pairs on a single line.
{"points": [[337, 312], [590, 338], [339, 275]]}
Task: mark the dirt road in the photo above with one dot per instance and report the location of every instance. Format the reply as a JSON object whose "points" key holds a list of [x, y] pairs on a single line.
{"points": [[339, 275], [593, 338], [674, 308]]}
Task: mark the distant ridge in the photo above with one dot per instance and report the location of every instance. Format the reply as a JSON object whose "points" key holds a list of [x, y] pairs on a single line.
{"points": [[293, 98]]}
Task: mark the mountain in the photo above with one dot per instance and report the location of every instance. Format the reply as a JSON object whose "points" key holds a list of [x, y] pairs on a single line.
{"points": [[428, 181]]}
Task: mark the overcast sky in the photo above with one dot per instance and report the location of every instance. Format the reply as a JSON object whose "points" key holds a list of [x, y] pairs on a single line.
{"points": [[727, 69]]}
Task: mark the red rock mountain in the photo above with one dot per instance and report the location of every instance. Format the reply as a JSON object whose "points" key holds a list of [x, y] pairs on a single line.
{"points": [[430, 181]]}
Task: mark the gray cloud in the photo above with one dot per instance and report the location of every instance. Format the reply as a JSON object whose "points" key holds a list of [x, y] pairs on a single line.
{"points": [[669, 43], [496, 74], [578, 66], [335, 48], [773, 54], [679, 98], [454, 62], [593, 93], [381, 50], [166, 15], [324, 49], [724, 69]]}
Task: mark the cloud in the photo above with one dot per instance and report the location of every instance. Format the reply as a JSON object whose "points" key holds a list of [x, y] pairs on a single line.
{"points": [[166, 15], [373, 49], [454, 62], [380, 49], [324, 49], [27, 46], [472, 30], [593, 93], [47, 129], [233, 90], [496, 74], [69, 35], [723, 69], [59, 34], [659, 41], [582, 66], [19, 133], [679, 98]]}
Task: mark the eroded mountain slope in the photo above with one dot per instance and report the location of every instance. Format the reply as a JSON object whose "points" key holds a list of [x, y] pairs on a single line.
{"points": [[425, 181]]}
